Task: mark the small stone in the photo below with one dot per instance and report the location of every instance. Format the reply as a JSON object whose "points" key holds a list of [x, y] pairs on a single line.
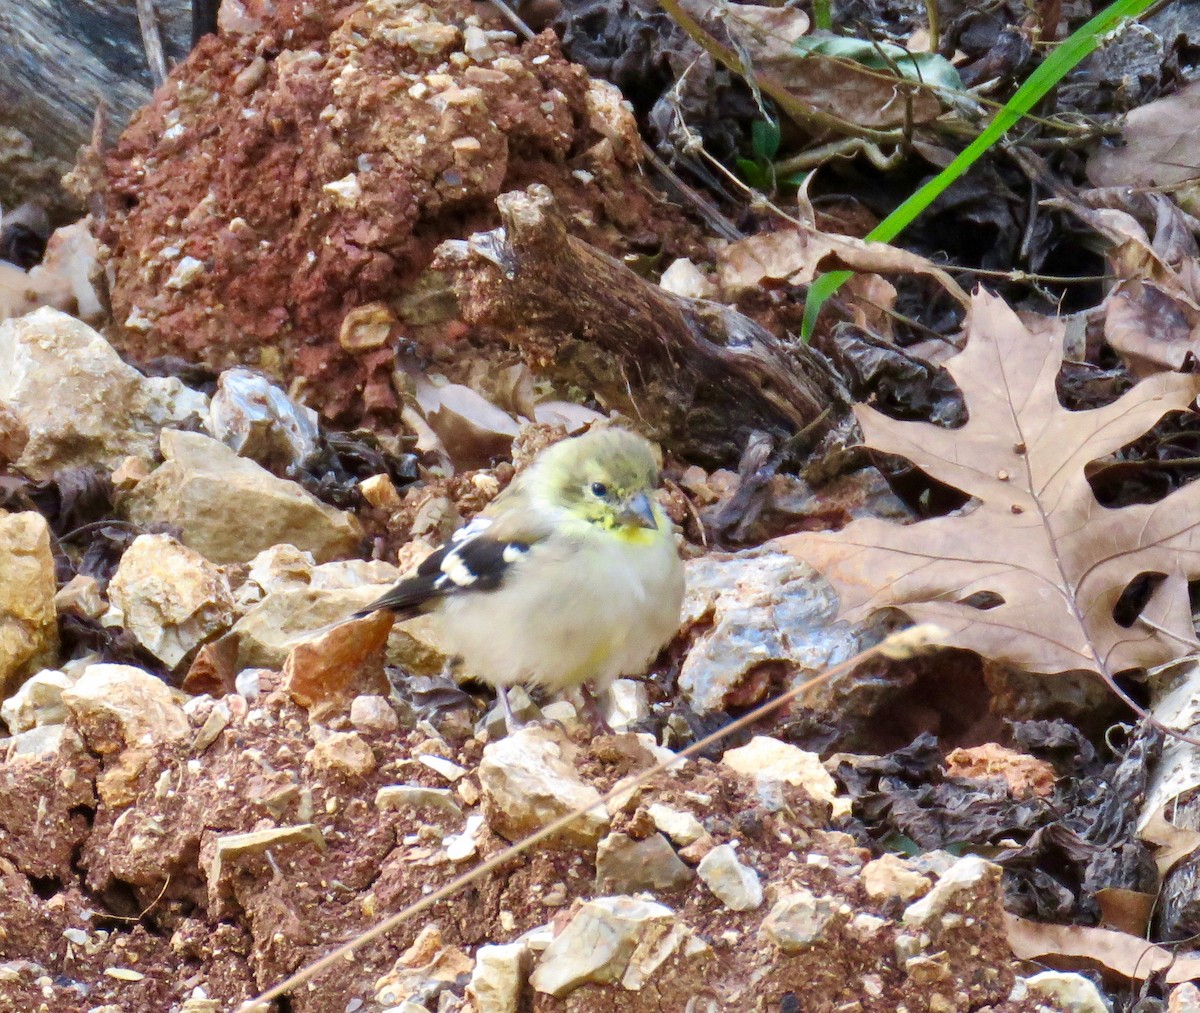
{"points": [[288, 618], [529, 780], [340, 664], [682, 827], [414, 796], [698, 849], [28, 621], [969, 882], [248, 683], [611, 116], [229, 508], [374, 715], [81, 595], [753, 608], [38, 702], [626, 703], [52, 370], [36, 741], [428, 39], [597, 944], [562, 711], [1184, 998], [498, 976], [866, 927], [1070, 993], [891, 876], [279, 568], [170, 597], [129, 472], [476, 44], [736, 885], [624, 865], [217, 721], [1025, 775], [366, 327], [428, 962], [460, 847], [380, 492], [119, 706], [344, 753], [928, 970], [685, 278], [230, 846], [345, 192], [448, 769], [466, 147], [454, 97], [186, 271], [799, 920], [250, 76], [257, 420], [213, 669], [765, 757]]}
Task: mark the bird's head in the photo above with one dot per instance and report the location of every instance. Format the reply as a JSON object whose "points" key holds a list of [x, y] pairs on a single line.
{"points": [[606, 477]]}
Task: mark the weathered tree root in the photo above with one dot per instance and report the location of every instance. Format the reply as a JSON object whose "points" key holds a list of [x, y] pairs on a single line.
{"points": [[699, 376]]}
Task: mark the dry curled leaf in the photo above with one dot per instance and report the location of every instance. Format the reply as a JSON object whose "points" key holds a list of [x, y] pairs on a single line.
{"points": [[1078, 946], [798, 256], [1173, 844], [1161, 145], [1030, 572]]}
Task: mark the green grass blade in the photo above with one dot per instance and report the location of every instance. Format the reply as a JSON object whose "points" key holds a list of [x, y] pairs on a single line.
{"points": [[1079, 44]]}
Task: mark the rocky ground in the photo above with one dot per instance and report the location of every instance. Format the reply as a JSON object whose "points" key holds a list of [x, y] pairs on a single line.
{"points": [[183, 849], [256, 384]]}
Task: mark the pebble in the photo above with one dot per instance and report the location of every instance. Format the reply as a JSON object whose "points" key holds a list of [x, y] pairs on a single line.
{"points": [[371, 713], [625, 865], [169, 597], [28, 620], [736, 885], [891, 876], [229, 508], [598, 943], [1070, 993], [768, 759], [799, 919], [498, 976], [528, 780], [342, 752], [682, 827]]}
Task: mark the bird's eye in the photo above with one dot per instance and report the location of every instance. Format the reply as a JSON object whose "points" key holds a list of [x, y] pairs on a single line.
{"points": [[599, 489]]}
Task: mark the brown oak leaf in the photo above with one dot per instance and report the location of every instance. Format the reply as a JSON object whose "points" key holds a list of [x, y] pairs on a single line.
{"points": [[1027, 573]]}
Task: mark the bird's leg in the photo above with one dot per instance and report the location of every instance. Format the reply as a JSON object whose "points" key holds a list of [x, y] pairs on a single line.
{"points": [[511, 723], [592, 711]]}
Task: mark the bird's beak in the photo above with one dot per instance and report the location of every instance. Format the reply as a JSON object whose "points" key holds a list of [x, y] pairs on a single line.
{"points": [[639, 512]]}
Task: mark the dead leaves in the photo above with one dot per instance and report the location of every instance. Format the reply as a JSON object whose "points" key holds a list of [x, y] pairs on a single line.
{"points": [[1103, 949], [797, 256], [876, 85], [1161, 145], [1030, 572]]}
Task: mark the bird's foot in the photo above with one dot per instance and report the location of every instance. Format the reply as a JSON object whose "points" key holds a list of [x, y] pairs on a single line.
{"points": [[593, 712]]}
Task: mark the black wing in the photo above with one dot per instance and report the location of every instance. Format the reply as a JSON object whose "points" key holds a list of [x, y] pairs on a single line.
{"points": [[470, 561]]}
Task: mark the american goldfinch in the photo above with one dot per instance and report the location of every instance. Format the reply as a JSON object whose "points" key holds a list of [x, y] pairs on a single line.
{"points": [[569, 577]]}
